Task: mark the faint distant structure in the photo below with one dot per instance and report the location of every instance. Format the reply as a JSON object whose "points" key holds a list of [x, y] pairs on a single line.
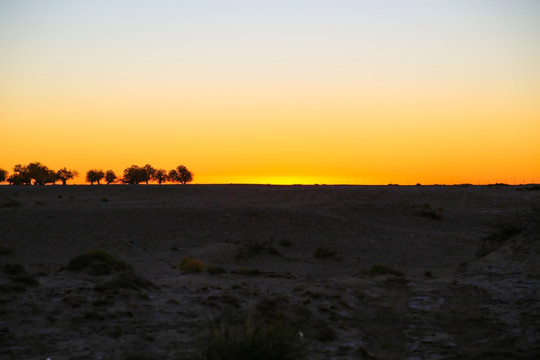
{"points": [[181, 174], [94, 175]]}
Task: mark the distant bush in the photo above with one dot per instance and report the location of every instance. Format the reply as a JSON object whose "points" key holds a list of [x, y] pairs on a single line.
{"points": [[97, 262], [382, 269], [214, 269], [244, 270], [425, 210], [324, 253], [191, 265], [251, 248]]}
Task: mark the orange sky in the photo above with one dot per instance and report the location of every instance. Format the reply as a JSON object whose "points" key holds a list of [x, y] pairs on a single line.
{"points": [[294, 92]]}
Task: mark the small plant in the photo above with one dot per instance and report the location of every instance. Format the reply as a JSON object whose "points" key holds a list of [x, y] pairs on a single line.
{"points": [[97, 262], [104, 199], [244, 270], [251, 337], [428, 274], [214, 269], [191, 265], [324, 253], [425, 210], [383, 269], [252, 248]]}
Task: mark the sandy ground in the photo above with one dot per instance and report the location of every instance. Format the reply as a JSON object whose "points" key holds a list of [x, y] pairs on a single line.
{"points": [[470, 258]]}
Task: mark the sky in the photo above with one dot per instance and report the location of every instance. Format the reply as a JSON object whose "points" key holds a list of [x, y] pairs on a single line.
{"points": [[281, 91]]}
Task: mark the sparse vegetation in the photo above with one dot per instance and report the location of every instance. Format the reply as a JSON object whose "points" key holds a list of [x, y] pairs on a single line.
{"points": [[500, 234], [191, 265], [97, 262], [214, 269], [251, 337], [324, 253], [249, 249], [425, 210], [126, 280], [382, 269]]}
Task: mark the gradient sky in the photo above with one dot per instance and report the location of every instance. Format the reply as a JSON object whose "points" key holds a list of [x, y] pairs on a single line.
{"points": [[247, 91]]}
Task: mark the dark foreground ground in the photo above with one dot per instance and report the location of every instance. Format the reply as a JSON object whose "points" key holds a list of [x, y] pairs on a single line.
{"points": [[458, 272]]}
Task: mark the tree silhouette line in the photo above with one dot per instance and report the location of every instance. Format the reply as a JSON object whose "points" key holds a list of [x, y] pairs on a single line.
{"points": [[38, 174]]}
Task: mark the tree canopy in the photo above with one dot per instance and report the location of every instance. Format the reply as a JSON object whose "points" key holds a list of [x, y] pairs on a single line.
{"points": [[94, 175], [38, 174]]}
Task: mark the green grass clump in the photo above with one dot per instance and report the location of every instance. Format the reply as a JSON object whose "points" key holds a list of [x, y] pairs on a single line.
{"points": [[324, 253], [251, 337], [97, 263], [383, 269], [191, 265]]}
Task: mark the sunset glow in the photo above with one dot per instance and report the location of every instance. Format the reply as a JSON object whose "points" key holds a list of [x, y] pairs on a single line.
{"points": [[280, 92]]}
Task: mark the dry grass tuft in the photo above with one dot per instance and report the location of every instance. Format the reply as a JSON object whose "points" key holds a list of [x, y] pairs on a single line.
{"points": [[97, 263], [191, 265]]}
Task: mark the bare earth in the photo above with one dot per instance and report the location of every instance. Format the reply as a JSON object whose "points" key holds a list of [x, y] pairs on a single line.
{"points": [[470, 260]]}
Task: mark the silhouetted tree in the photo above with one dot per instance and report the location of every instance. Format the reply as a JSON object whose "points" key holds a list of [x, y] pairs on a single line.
{"points": [[136, 174], [64, 175], [133, 175], [3, 175], [148, 173], [110, 177], [40, 173], [94, 175], [19, 176], [181, 174], [161, 176]]}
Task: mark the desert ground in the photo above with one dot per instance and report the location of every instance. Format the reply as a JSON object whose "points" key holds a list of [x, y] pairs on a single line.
{"points": [[348, 272]]}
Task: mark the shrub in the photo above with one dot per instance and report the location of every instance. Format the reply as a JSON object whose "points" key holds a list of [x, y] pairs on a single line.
{"points": [[252, 248], [382, 269], [323, 253], [97, 262], [425, 210], [244, 270], [252, 337], [191, 265], [214, 269]]}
